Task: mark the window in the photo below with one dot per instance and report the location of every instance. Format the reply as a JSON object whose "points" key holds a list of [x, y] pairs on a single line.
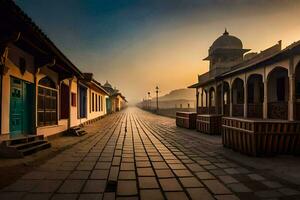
{"points": [[82, 101], [73, 99], [47, 102], [93, 102], [101, 103], [96, 100]]}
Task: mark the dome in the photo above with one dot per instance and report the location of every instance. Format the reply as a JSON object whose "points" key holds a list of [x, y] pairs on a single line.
{"points": [[107, 85], [227, 41]]}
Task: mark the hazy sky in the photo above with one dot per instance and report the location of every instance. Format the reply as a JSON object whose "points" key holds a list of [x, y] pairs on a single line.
{"points": [[138, 44]]}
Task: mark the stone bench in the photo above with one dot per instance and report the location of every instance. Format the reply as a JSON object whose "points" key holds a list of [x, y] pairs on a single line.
{"points": [[186, 119], [261, 137], [209, 124]]}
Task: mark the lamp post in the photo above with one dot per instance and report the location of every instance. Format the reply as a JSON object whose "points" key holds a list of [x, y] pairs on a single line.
{"points": [[149, 102], [156, 98]]}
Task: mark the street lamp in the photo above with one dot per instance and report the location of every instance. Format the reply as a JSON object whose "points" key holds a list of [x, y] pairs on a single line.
{"points": [[157, 98], [149, 102]]}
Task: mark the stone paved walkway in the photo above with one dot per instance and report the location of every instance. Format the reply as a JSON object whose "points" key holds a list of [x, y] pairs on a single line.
{"points": [[138, 155]]}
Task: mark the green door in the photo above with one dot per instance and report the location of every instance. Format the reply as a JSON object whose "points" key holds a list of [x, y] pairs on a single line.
{"points": [[21, 107]]}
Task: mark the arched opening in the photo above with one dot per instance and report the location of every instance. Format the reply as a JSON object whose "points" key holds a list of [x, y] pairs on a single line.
{"points": [[297, 92], [278, 89], [226, 99], [212, 101], [255, 96], [219, 99], [47, 102], [203, 109], [237, 93]]}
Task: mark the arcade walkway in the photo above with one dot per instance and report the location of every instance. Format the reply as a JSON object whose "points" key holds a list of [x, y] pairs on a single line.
{"points": [[137, 155]]}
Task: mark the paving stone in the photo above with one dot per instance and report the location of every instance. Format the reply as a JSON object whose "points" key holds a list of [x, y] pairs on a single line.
{"points": [[238, 187], [160, 165], [109, 196], [196, 193], [217, 172], [127, 175], [22, 185], [170, 184], [272, 184], [64, 197], [268, 194], [226, 197], [116, 161], [256, 177], [57, 175], [289, 191], [36, 175], [103, 165], [177, 166], [79, 175], [176, 195], [148, 183], [90, 196], [143, 164], [228, 179], [164, 173], [151, 195], [47, 186], [127, 166], [231, 171], [205, 175], [145, 172], [127, 188], [113, 174], [216, 187], [195, 167], [71, 186], [190, 182], [182, 173], [99, 174], [35, 196], [94, 186]]}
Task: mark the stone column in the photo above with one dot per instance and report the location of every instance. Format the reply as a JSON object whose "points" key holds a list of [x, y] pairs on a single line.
{"points": [[265, 103], [245, 100], [291, 103], [230, 101], [197, 99], [222, 98]]}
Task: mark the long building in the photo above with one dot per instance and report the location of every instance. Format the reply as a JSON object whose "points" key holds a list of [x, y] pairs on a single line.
{"points": [[42, 91], [253, 92]]}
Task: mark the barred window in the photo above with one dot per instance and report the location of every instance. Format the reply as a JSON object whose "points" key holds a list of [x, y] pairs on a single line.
{"points": [[47, 102]]}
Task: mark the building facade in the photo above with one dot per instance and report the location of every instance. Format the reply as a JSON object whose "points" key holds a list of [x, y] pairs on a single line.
{"points": [[115, 101], [42, 91], [249, 88]]}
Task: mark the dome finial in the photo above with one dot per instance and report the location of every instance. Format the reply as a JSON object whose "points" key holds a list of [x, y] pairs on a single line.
{"points": [[226, 32]]}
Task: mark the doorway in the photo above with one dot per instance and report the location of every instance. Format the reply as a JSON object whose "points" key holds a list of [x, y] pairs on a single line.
{"points": [[21, 107]]}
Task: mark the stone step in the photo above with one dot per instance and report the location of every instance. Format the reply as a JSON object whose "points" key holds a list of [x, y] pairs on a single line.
{"points": [[36, 148], [22, 140], [28, 144], [22, 146]]}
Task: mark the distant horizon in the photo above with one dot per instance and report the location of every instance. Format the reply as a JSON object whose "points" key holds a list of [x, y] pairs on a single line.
{"points": [[137, 45]]}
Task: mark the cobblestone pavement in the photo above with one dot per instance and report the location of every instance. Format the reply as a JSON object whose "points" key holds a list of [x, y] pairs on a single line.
{"points": [[137, 155]]}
